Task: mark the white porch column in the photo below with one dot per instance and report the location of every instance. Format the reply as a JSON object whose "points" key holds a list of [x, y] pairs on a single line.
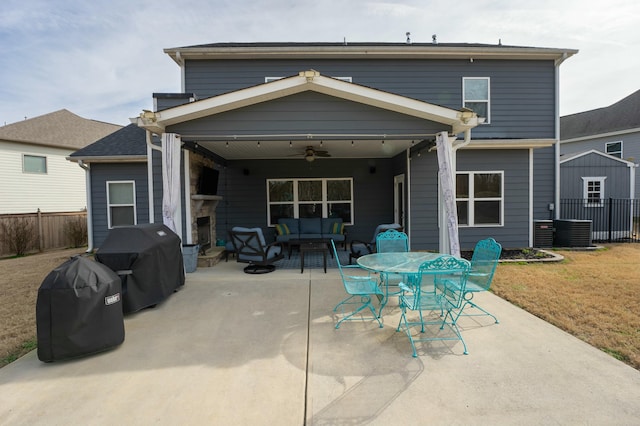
{"points": [[171, 214], [449, 241]]}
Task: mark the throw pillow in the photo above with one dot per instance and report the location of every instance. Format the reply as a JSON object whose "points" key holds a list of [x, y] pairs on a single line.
{"points": [[338, 228], [282, 229]]}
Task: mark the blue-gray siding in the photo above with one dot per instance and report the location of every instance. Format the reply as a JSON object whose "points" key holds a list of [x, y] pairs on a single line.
{"points": [[243, 187], [522, 92], [630, 150], [424, 205], [617, 182], [103, 172]]}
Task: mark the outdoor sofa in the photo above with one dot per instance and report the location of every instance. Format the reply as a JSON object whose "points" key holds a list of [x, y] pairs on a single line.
{"points": [[311, 228]]}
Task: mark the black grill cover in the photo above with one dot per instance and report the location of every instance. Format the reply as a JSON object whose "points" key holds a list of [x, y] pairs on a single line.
{"points": [[149, 260], [78, 310]]}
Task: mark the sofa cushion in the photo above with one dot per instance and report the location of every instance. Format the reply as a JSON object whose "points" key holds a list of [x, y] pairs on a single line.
{"points": [[310, 225], [291, 223]]}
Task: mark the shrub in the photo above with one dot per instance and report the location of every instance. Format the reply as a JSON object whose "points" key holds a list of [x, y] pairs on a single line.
{"points": [[76, 232], [19, 236]]}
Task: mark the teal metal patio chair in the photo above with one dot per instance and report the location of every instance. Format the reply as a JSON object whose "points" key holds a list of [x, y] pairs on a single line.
{"points": [[392, 241], [420, 295], [360, 248], [360, 289], [484, 261]]}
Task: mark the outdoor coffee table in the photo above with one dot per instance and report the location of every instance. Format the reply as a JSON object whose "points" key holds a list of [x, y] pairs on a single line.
{"points": [[321, 246]]}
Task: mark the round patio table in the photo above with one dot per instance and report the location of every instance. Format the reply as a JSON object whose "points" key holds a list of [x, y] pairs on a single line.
{"points": [[396, 263]]}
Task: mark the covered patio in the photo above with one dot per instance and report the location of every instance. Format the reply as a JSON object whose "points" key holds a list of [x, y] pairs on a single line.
{"points": [[228, 350]]}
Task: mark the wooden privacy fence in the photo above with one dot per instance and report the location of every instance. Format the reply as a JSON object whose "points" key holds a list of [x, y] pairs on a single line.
{"points": [[46, 231]]}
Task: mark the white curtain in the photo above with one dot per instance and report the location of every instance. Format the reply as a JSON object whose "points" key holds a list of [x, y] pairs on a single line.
{"points": [[447, 173], [170, 180]]}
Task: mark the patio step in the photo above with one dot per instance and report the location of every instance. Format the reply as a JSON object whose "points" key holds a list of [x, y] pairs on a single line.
{"points": [[211, 257]]}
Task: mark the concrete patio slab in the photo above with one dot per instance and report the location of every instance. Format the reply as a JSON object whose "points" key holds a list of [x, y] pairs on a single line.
{"points": [[235, 349]]}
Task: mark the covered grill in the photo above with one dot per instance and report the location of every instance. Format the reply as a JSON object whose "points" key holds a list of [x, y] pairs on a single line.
{"points": [[78, 310], [148, 258]]}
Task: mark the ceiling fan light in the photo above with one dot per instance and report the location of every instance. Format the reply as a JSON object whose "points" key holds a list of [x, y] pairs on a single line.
{"points": [[309, 158]]}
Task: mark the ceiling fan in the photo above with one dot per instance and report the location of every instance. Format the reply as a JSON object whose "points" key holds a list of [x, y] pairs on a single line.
{"points": [[310, 153]]}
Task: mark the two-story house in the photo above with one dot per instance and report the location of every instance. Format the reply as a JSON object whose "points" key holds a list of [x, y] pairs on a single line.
{"points": [[268, 130]]}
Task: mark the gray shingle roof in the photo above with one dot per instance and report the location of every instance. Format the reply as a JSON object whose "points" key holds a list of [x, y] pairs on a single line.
{"points": [[61, 128], [623, 115], [128, 141]]}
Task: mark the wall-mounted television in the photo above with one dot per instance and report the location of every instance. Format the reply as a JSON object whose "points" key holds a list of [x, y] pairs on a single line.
{"points": [[208, 181]]}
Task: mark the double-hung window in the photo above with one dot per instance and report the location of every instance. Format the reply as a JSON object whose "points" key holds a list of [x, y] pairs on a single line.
{"points": [[475, 92], [614, 148], [34, 164], [593, 191], [121, 203], [310, 198], [480, 198]]}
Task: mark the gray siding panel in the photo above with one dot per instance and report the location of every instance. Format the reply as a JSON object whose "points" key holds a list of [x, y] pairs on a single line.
{"points": [[243, 187], [307, 112], [100, 174], [522, 92], [630, 150], [544, 186], [424, 207], [616, 185]]}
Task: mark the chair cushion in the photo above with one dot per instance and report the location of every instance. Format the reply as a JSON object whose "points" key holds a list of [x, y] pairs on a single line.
{"points": [[257, 230]]}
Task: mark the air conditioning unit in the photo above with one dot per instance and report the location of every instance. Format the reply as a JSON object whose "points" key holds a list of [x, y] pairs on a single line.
{"points": [[543, 233], [572, 233]]}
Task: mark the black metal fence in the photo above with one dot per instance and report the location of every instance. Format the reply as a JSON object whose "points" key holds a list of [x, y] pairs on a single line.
{"points": [[614, 220]]}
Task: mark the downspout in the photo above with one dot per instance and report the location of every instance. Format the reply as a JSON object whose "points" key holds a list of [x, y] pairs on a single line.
{"points": [[87, 170], [557, 135], [150, 148]]}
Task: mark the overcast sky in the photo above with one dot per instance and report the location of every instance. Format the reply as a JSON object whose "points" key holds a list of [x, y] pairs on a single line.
{"points": [[103, 59]]}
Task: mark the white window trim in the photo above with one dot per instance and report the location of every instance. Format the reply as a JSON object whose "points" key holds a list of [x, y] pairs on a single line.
{"points": [[585, 190], [471, 200], [46, 164], [296, 202], [606, 146], [488, 100], [109, 205]]}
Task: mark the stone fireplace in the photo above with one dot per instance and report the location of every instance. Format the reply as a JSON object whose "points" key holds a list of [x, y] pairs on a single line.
{"points": [[203, 206]]}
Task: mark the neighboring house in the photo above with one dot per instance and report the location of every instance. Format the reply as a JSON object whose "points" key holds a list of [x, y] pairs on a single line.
{"points": [[614, 130], [268, 130], [34, 172]]}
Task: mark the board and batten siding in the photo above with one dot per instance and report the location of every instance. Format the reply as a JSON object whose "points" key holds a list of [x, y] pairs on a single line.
{"points": [[103, 172], [523, 103], [60, 189], [630, 149], [616, 184]]}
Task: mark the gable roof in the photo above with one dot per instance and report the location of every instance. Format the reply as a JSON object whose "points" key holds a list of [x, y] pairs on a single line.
{"points": [[572, 156], [62, 129], [623, 115], [126, 144], [309, 80]]}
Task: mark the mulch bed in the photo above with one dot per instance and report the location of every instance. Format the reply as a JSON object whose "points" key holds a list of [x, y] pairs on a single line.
{"points": [[514, 254]]}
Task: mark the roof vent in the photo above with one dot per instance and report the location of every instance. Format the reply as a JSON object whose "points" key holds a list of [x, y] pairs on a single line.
{"points": [[434, 39], [408, 37]]}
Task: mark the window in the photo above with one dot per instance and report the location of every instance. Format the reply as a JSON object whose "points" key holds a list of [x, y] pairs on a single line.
{"points": [[476, 95], [34, 164], [310, 198], [479, 198], [614, 148], [121, 204], [593, 191]]}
